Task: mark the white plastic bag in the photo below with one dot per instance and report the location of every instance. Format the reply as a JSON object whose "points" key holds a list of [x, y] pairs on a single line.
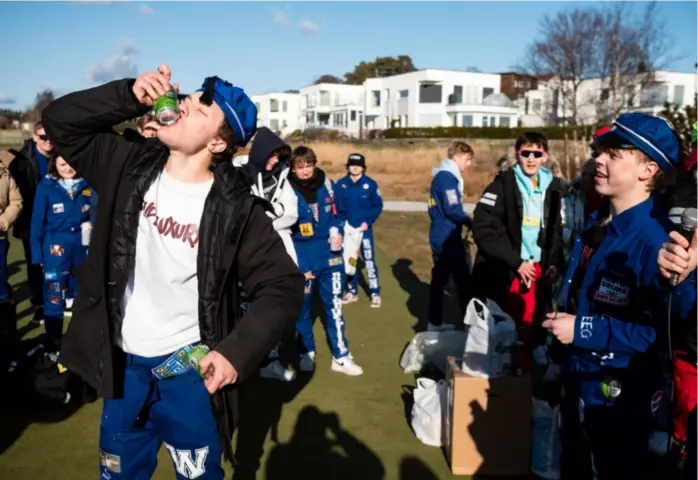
{"points": [[491, 339], [352, 243], [429, 401], [431, 349], [546, 446]]}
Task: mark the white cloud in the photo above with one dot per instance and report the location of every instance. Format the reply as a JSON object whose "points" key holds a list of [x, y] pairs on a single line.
{"points": [[280, 16], [120, 65], [7, 100], [308, 27], [145, 9]]}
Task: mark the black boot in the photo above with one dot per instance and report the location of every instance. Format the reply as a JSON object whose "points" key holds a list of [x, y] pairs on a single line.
{"points": [[54, 333]]}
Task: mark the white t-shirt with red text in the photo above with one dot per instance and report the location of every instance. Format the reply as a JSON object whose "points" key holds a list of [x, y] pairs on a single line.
{"points": [[161, 303]]}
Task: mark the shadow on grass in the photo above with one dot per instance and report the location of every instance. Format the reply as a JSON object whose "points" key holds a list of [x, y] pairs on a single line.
{"points": [[20, 405], [412, 468], [314, 455], [418, 296]]}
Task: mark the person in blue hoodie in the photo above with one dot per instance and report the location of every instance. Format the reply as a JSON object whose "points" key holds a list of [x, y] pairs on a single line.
{"points": [[445, 232], [614, 316], [318, 240], [61, 210], [363, 204], [517, 228]]}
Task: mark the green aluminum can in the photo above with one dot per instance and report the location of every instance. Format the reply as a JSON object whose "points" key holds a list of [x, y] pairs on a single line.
{"points": [[195, 356], [166, 108]]}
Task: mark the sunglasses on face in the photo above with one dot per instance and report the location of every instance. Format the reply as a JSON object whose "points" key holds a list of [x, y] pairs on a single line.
{"points": [[528, 153], [43, 137]]}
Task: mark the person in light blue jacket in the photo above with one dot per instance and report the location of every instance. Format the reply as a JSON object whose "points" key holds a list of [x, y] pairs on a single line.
{"points": [[61, 212]]}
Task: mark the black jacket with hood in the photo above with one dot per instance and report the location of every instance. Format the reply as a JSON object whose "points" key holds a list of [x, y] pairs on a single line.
{"points": [[497, 233], [238, 249], [25, 170], [265, 143]]}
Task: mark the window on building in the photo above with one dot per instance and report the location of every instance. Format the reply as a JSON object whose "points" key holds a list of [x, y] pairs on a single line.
{"points": [[324, 99], [467, 121], [273, 105], [284, 106], [284, 124], [536, 104], [484, 121], [403, 94], [678, 94], [353, 115], [457, 95], [274, 124], [430, 93], [486, 92], [493, 121], [376, 98], [504, 122]]}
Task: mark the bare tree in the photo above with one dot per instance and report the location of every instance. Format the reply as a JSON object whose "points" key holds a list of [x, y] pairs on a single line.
{"points": [[565, 50], [41, 101], [631, 49]]}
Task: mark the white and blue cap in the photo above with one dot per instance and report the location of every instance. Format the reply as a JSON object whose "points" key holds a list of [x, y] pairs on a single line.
{"points": [[240, 112], [652, 135]]}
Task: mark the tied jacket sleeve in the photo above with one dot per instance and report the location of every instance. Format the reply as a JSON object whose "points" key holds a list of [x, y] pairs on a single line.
{"points": [[10, 211]]}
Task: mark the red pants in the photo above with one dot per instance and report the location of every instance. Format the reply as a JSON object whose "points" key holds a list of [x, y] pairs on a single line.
{"points": [[685, 386], [522, 307]]}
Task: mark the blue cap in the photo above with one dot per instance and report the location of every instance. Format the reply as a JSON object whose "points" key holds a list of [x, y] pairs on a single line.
{"points": [[239, 110], [652, 135]]}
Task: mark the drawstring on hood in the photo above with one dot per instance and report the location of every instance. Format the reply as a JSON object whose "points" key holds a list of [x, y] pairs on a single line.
{"points": [[448, 165]]}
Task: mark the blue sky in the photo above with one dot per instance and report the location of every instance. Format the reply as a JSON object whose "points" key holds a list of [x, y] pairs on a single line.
{"points": [[268, 46]]}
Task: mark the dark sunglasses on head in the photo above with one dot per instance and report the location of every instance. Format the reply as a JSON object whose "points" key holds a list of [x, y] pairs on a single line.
{"points": [[528, 153]]}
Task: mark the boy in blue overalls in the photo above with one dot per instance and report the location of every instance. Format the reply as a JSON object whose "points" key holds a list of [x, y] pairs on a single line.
{"points": [[317, 238], [363, 204], [61, 207], [614, 304]]}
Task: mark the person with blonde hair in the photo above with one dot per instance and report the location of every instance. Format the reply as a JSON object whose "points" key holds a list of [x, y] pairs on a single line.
{"points": [[445, 232]]}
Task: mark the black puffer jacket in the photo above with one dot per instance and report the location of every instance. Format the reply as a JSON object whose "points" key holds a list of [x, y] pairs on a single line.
{"points": [[25, 170], [238, 248], [497, 232]]}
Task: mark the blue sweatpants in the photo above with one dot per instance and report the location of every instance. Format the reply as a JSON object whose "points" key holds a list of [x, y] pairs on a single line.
{"points": [[329, 280], [175, 411], [5, 289], [367, 251]]}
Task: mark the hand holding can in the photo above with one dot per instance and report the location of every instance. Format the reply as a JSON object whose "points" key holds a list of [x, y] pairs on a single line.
{"points": [[86, 233]]}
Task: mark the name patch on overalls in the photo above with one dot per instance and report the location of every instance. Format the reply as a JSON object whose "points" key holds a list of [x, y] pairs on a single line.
{"points": [[612, 293], [58, 208], [306, 229], [56, 250], [336, 261]]}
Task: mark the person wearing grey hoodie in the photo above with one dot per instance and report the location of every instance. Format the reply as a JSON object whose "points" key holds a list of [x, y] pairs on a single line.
{"points": [[266, 168], [445, 233]]}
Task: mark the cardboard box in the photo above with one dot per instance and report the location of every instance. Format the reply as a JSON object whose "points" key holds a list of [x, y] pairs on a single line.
{"points": [[487, 424]]}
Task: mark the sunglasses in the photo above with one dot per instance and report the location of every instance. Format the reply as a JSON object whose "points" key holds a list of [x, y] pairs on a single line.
{"points": [[528, 153], [43, 138]]}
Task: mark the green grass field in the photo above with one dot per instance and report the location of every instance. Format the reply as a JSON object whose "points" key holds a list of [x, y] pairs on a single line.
{"points": [[322, 426]]}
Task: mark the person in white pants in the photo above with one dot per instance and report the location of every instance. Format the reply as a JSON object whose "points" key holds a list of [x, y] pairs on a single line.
{"points": [[267, 167]]}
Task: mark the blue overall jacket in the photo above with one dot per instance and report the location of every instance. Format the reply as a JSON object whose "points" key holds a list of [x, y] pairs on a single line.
{"points": [[55, 213], [361, 199], [446, 209]]}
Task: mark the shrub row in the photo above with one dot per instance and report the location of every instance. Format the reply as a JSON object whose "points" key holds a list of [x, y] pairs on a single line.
{"points": [[495, 133]]}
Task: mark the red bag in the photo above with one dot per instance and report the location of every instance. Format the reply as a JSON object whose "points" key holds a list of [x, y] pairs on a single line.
{"points": [[521, 307], [685, 394]]}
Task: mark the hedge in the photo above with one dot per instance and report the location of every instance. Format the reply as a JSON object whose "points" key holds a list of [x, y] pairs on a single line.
{"points": [[495, 133]]}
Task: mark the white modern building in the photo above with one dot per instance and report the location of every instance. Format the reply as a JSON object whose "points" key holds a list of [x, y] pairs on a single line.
{"points": [[332, 106], [278, 111], [437, 98], [547, 106]]}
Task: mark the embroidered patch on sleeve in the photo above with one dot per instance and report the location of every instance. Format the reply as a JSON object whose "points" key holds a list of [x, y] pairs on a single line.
{"points": [[452, 197], [306, 229], [110, 462]]}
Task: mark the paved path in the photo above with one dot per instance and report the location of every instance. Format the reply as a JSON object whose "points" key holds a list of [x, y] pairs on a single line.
{"points": [[403, 206]]}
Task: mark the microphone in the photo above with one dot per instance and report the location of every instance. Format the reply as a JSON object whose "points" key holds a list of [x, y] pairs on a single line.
{"points": [[689, 222]]}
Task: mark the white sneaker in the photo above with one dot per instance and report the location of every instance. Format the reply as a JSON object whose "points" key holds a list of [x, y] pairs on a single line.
{"points": [[350, 298], [307, 363], [376, 301], [276, 371], [347, 365], [444, 327]]}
